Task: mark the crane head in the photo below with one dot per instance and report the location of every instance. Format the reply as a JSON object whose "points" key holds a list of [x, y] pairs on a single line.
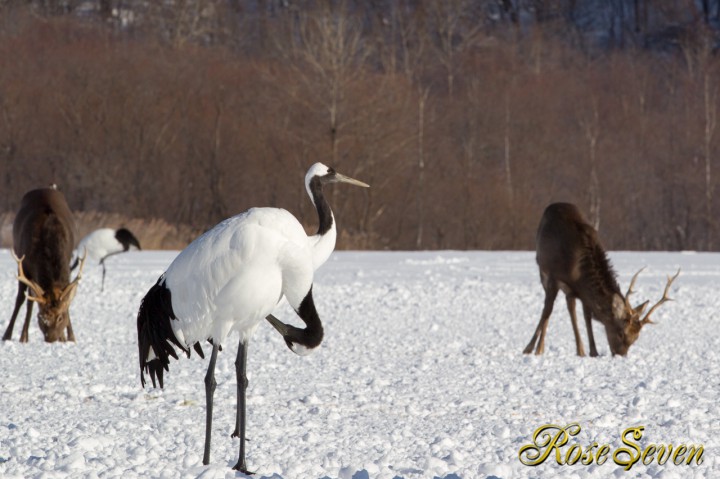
{"points": [[295, 338], [325, 174]]}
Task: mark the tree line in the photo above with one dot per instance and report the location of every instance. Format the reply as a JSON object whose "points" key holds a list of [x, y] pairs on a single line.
{"points": [[466, 117]]}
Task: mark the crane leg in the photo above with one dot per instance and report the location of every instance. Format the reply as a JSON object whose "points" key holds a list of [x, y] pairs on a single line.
{"points": [[242, 383], [210, 385], [102, 284]]}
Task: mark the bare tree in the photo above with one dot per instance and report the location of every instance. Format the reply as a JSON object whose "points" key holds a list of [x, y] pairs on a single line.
{"points": [[701, 66], [710, 110], [507, 155], [402, 42], [591, 129], [328, 57], [420, 192], [456, 27], [184, 21], [218, 208]]}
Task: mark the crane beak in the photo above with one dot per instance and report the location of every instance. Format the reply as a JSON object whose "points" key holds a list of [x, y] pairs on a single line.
{"points": [[284, 330], [281, 327], [346, 179]]}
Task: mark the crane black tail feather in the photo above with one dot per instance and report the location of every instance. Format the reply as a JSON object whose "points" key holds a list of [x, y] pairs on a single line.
{"points": [[155, 333]]}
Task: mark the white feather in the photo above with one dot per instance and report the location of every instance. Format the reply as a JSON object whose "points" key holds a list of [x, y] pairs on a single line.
{"points": [[99, 244], [301, 350], [323, 245], [232, 276]]}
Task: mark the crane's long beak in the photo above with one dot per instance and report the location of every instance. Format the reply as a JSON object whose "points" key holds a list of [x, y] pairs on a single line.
{"points": [[281, 327], [346, 179], [285, 330]]}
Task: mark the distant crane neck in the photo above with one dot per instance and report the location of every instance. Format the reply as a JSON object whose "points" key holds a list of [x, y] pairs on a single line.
{"points": [[323, 242]]}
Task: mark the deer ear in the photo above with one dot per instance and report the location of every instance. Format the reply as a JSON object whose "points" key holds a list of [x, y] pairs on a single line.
{"points": [[618, 306], [640, 308]]}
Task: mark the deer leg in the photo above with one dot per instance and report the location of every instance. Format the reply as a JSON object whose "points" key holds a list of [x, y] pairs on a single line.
{"points": [[18, 303], [588, 324], [102, 284], [570, 299], [28, 313], [551, 291]]}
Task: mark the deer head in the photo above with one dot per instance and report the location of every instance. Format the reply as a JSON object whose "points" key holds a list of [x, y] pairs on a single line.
{"points": [[54, 304], [626, 327]]}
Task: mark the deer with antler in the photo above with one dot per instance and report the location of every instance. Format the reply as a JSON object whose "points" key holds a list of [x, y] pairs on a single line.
{"points": [[43, 241], [571, 259]]}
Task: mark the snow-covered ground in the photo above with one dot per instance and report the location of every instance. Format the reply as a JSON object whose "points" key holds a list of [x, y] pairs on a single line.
{"points": [[421, 375]]}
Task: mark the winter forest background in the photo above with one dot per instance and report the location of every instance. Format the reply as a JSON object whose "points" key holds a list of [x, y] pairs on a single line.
{"points": [[467, 117]]}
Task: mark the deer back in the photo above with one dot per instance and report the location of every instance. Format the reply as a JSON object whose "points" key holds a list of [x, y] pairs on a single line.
{"points": [[43, 240], [568, 251], [44, 232]]}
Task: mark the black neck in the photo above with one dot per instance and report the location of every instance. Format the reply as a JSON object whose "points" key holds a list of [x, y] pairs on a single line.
{"points": [[325, 217], [126, 239], [312, 335]]}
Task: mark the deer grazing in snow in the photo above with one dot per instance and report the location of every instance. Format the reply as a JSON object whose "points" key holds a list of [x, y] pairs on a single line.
{"points": [[43, 241], [571, 259]]}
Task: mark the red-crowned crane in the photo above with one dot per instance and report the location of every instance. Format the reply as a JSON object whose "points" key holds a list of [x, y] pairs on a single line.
{"points": [[230, 279], [105, 242]]}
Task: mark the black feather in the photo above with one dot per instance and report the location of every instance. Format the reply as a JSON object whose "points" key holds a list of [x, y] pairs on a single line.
{"points": [[155, 331], [323, 208], [126, 239]]}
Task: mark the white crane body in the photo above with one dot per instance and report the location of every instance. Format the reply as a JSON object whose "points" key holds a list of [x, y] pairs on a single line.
{"points": [[102, 243], [99, 244], [230, 279]]}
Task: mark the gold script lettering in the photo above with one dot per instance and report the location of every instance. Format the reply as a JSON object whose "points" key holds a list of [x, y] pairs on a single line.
{"points": [[636, 433], [546, 439]]}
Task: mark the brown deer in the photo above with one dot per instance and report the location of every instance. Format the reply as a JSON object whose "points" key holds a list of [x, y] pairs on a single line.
{"points": [[571, 259], [43, 241]]}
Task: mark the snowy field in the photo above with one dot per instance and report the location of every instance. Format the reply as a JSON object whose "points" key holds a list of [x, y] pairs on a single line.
{"points": [[421, 375]]}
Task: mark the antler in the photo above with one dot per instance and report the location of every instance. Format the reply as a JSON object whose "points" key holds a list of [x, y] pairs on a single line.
{"points": [[39, 292], [664, 299], [632, 283], [70, 287]]}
